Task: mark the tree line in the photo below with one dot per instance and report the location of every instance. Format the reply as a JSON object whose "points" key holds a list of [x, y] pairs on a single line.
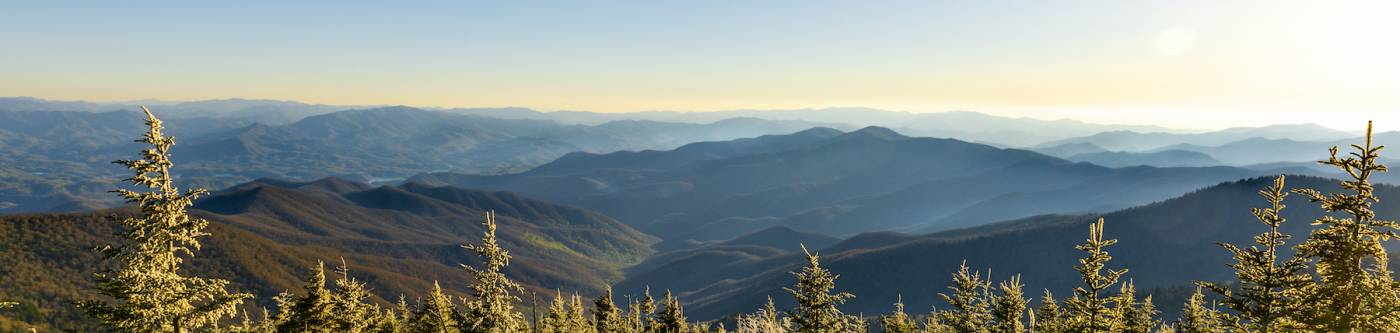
{"points": [[1335, 280]]}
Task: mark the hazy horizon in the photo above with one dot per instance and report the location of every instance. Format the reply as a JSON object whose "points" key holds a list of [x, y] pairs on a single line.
{"points": [[1352, 127], [1197, 64]]}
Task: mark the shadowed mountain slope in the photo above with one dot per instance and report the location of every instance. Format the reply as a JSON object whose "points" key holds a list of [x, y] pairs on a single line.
{"points": [[1164, 244], [398, 239]]}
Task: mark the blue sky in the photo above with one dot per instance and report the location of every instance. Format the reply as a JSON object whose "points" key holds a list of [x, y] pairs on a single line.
{"points": [[1158, 62]]}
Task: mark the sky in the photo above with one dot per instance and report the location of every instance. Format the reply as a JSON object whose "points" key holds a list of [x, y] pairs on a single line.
{"points": [[1187, 63]]}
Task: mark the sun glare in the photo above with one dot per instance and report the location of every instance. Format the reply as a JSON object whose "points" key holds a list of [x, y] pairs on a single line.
{"points": [[1174, 41]]}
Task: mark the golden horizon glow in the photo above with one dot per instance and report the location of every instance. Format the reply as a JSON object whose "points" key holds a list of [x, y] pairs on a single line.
{"points": [[1192, 64]]}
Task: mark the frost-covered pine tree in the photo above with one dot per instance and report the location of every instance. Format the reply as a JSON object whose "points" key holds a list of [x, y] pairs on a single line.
{"points": [[607, 317], [1137, 317], [284, 302], [934, 324], [648, 311], [766, 320], [492, 308], [1266, 293], [313, 312], [818, 309], [146, 290], [388, 321], [350, 302], [898, 321], [578, 322], [398, 317], [556, 319], [436, 314], [1355, 290], [245, 324], [1090, 310], [672, 316], [633, 319], [1048, 317], [968, 308], [1009, 307], [1197, 318]]}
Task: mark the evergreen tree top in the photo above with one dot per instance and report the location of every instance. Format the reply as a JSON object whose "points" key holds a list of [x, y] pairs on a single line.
{"points": [[146, 290], [817, 307], [492, 309]]}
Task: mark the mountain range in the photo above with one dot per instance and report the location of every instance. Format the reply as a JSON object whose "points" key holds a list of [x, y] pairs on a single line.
{"points": [[1165, 245], [972, 126], [1131, 140], [1161, 158], [714, 206], [837, 183], [401, 238], [58, 161], [1261, 148], [54, 152], [269, 112]]}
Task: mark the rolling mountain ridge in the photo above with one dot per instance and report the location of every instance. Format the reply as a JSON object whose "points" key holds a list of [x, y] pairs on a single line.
{"points": [[57, 161], [1164, 244], [398, 239], [835, 183]]}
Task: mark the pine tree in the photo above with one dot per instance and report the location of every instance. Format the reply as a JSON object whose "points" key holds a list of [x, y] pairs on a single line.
{"points": [[492, 309], [284, 301], [1049, 317], [817, 308], [353, 314], [1197, 318], [1137, 317], [269, 323], [245, 323], [1090, 310], [1009, 307], [314, 311], [401, 317], [648, 311], [672, 316], [766, 320], [577, 321], [435, 315], [147, 291], [932, 324], [633, 320], [898, 321], [1355, 291], [556, 319], [607, 318], [388, 321], [1268, 289], [969, 310]]}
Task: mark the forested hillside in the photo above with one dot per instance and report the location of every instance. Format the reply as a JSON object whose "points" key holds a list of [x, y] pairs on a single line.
{"points": [[266, 233]]}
